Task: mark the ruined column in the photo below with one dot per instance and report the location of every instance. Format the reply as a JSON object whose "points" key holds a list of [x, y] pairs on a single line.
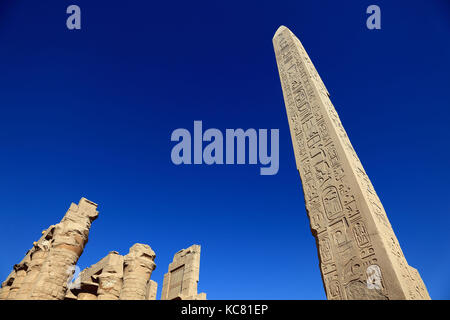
{"points": [[110, 279], [37, 255], [152, 288], [359, 254], [69, 238], [138, 267], [181, 280], [6, 287], [19, 277], [102, 280]]}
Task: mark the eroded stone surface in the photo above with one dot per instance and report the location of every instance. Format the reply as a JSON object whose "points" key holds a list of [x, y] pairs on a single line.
{"points": [[138, 267], [111, 278], [152, 288], [48, 266], [36, 257], [181, 281], [69, 238], [119, 277], [360, 257]]}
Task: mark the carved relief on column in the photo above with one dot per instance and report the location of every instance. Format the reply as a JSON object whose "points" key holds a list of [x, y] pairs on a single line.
{"points": [[138, 267]]}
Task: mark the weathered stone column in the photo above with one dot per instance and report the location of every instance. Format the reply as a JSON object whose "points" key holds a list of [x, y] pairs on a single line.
{"points": [[69, 238], [360, 256], [138, 267], [37, 255], [21, 272], [110, 279], [152, 288]]}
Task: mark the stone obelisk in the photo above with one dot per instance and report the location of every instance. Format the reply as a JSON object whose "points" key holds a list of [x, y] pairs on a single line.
{"points": [[359, 254]]}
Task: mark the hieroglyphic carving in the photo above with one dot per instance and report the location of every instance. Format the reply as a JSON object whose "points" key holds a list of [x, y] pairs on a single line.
{"points": [[346, 215]]}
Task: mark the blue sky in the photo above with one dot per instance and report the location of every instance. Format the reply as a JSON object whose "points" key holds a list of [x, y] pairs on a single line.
{"points": [[90, 113]]}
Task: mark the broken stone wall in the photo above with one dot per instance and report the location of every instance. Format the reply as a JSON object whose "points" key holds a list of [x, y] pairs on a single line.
{"points": [[181, 280]]}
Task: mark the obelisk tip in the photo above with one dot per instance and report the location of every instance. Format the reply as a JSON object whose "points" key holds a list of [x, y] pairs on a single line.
{"points": [[279, 30]]}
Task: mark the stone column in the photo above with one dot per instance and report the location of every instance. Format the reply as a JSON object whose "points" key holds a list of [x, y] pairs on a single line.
{"points": [[69, 238], [37, 256], [360, 256], [110, 279], [138, 267], [21, 272], [152, 288]]}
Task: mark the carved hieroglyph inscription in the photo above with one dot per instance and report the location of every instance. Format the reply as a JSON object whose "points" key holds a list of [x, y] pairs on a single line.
{"points": [[359, 254]]}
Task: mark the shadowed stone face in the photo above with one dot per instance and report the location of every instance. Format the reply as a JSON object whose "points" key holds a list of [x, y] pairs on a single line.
{"points": [[359, 254]]}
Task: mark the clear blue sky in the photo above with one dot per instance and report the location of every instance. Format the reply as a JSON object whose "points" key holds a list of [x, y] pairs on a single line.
{"points": [[90, 113]]}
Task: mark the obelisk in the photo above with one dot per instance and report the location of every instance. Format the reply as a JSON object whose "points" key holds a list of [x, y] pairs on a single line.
{"points": [[359, 254]]}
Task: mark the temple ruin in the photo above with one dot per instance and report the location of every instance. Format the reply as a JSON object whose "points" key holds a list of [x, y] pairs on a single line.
{"points": [[180, 282], [46, 271]]}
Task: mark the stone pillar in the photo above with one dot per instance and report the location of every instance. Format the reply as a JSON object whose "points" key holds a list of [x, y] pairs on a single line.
{"points": [[110, 279], [181, 281], [37, 256], [152, 288], [69, 238], [138, 267], [360, 256]]}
